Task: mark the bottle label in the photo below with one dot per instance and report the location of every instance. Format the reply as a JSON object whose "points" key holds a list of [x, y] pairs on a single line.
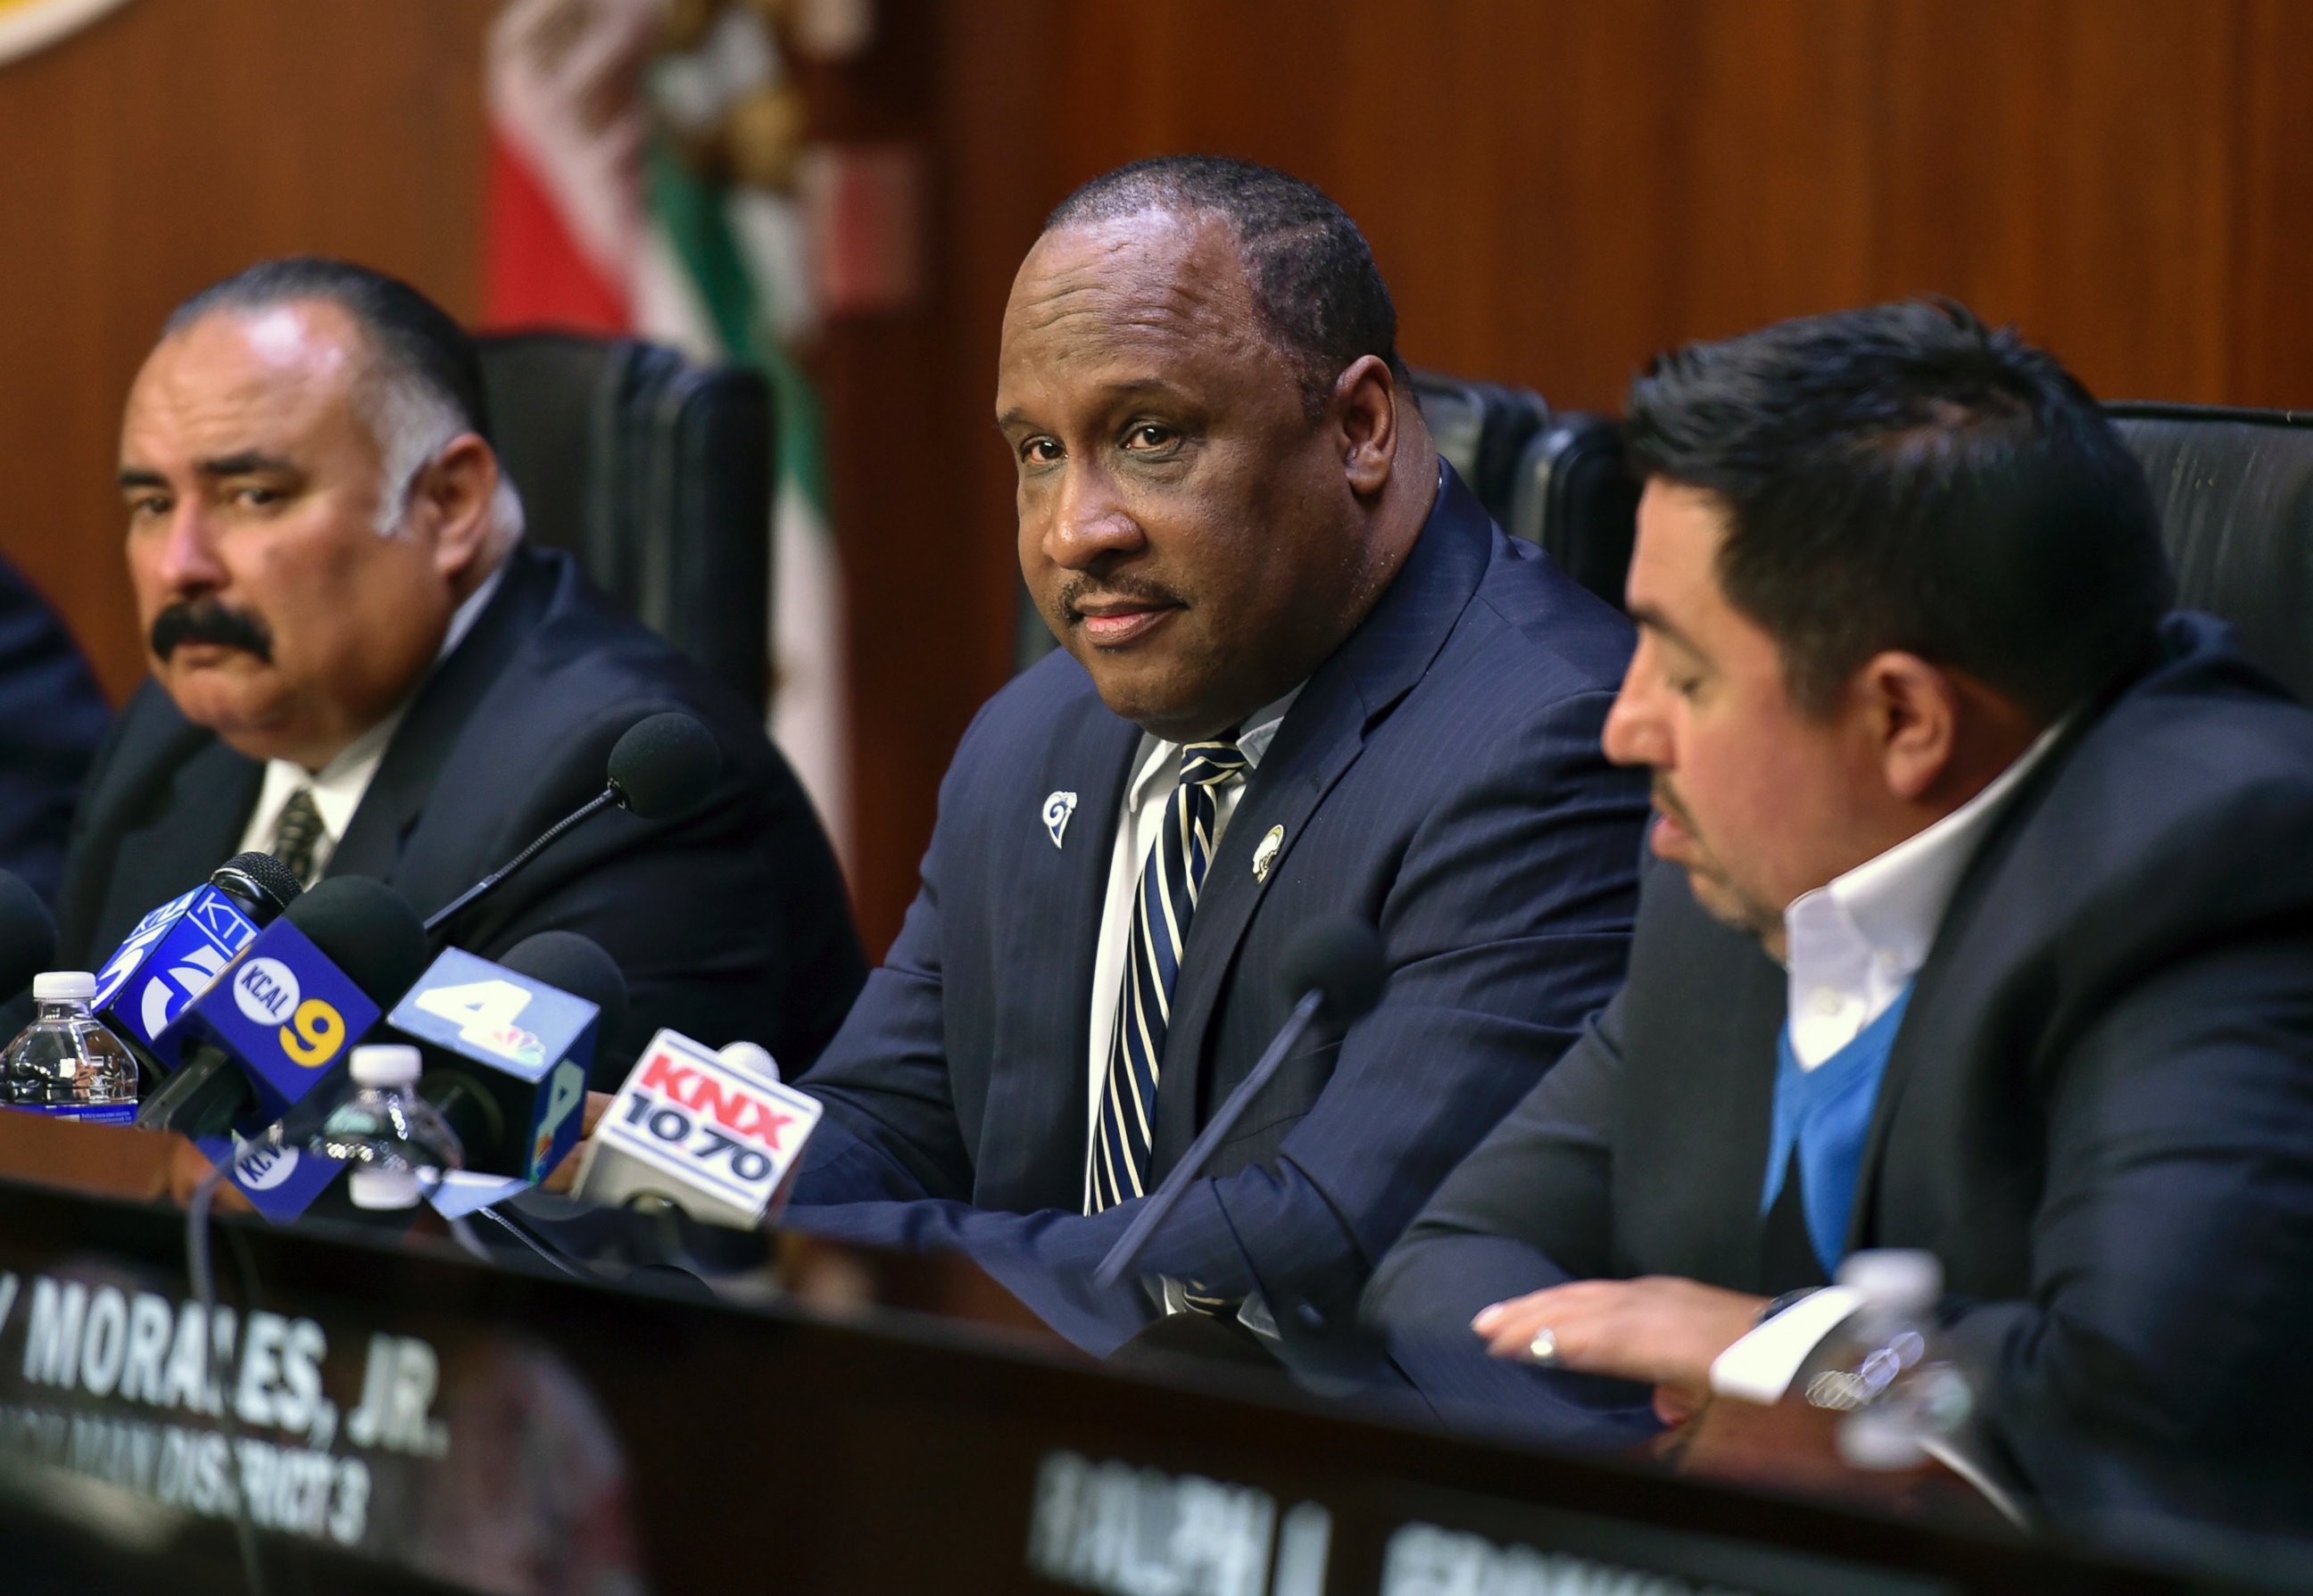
{"points": [[89, 1113]]}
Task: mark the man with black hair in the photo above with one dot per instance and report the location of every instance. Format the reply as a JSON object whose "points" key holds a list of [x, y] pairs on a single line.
{"points": [[359, 666], [1302, 674], [1982, 924]]}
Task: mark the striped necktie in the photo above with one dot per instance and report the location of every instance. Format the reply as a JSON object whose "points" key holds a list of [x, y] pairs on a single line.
{"points": [[297, 834], [1170, 879]]}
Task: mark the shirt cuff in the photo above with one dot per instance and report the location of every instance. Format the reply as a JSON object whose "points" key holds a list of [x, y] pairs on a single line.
{"points": [[1762, 1365]]}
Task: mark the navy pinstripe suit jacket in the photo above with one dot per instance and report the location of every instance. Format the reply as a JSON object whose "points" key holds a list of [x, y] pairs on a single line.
{"points": [[1439, 776]]}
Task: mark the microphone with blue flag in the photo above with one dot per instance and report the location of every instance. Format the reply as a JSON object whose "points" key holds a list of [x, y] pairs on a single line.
{"points": [[172, 954], [280, 1024], [508, 1047]]}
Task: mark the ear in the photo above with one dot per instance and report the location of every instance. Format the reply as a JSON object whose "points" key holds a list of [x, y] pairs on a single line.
{"points": [[1365, 408], [452, 499], [1913, 710]]}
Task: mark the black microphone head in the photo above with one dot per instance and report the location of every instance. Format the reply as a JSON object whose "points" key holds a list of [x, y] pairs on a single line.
{"points": [[576, 964], [1340, 958], [28, 934], [259, 882], [367, 930], [663, 764]]}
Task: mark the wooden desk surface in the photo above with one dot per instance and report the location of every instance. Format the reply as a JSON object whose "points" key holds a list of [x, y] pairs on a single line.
{"points": [[105, 1160]]}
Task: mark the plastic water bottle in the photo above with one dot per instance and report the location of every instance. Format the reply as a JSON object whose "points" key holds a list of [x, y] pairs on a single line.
{"points": [[65, 1064], [399, 1144], [1888, 1369]]}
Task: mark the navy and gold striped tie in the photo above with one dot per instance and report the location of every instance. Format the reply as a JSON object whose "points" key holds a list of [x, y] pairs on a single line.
{"points": [[1170, 880]]}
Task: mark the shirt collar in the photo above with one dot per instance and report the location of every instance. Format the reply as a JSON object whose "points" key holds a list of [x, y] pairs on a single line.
{"points": [[469, 611], [1894, 902], [1156, 758]]}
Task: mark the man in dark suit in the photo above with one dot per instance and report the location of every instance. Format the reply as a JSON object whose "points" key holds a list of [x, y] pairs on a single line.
{"points": [[1990, 933], [54, 719], [1303, 674], [359, 666]]}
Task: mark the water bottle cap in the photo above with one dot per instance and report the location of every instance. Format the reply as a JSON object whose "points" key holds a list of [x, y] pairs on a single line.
{"points": [[64, 986], [393, 1064], [372, 1186], [1904, 1280], [750, 1058], [1880, 1441]]}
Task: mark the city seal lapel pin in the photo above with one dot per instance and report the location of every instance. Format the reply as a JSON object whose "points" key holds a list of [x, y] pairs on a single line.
{"points": [[1058, 808]]}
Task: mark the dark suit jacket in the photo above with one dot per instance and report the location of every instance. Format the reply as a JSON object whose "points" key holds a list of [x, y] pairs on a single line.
{"points": [[2098, 1111], [728, 922], [52, 719], [1439, 776]]}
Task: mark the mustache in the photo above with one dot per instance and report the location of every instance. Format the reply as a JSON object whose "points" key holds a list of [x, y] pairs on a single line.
{"points": [[1658, 790], [206, 620], [1122, 586]]}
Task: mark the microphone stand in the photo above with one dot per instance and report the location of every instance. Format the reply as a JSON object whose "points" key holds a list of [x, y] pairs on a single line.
{"points": [[434, 920], [1161, 1203]]}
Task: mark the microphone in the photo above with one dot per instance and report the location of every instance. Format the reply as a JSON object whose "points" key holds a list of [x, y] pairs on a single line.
{"points": [[1335, 965], [659, 766], [305, 987], [508, 1045], [709, 1133], [28, 934], [260, 883], [174, 952]]}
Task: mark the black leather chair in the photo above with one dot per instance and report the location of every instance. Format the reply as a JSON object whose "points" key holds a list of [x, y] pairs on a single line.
{"points": [[1482, 428], [656, 474], [2235, 493], [1575, 498]]}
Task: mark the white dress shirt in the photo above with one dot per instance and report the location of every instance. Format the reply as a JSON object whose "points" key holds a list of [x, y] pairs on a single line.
{"points": [[1852, 948], [339, 786], [1156, 774]]}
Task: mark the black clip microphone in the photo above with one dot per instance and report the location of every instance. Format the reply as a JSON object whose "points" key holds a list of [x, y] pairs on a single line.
{"points": [[659, 768], [1336, 965]]}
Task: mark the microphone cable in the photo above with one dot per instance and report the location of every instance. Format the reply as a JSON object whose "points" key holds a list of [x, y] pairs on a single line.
{"points": [[198, 1266]]}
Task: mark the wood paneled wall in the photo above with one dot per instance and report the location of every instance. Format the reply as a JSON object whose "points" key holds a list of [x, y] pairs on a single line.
{"points": [[165, 146], [1554, 187], [1557, 190]]}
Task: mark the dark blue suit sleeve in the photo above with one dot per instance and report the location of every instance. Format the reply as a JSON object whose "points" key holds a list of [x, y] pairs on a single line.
{"points": [[1530, 1208], [891, 1131], [2174, 1240], [54, 719], [1507, 924]]}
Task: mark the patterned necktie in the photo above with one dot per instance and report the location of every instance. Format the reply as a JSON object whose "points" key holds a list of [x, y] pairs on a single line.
{"points": [[1166, 895], [297, 833]]}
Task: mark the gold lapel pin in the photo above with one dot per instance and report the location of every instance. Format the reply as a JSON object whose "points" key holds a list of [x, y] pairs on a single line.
{"points": [[1266, 854]]}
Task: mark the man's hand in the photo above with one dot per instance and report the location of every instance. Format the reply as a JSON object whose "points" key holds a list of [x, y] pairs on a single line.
{"points": [[1657, 1329], [565, 1175]]}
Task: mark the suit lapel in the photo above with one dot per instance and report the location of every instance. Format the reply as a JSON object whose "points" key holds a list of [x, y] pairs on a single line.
{"points": [[1041, 1068], [195, 829], [422, 743], [1322, 735], [1953, 990], [1734, 1155]]}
